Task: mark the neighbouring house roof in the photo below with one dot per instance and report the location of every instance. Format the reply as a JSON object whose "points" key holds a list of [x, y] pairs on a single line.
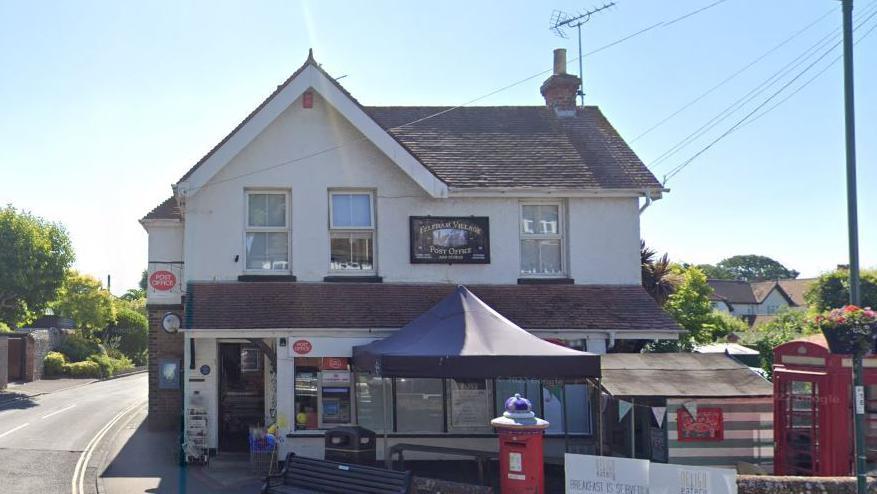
{"points": [[713, 375], [517, 146], [732, 291], [503, 147], [167, 210], [744, 292], [796, 289], [272, 305]]}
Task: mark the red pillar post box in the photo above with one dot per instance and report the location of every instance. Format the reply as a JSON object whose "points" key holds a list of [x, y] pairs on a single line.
{"points": [[521, 461]]}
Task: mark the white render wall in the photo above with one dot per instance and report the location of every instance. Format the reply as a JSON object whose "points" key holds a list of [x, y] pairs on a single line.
{"points": [[602, 234]]}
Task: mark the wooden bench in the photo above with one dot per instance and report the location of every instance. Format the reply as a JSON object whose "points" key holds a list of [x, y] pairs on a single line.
{"points": [[300, 474]]}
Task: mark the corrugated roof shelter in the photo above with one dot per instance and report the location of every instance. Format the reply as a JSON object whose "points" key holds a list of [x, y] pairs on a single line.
{"points": [[674, 375]]}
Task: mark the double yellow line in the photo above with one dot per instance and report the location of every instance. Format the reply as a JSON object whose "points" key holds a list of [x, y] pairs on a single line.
{"points": [[77, 484]]}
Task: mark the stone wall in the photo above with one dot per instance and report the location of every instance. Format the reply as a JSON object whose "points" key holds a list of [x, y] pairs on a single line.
{"points": [[165, 405], [42, 345], [763, 484], [4, 361]]}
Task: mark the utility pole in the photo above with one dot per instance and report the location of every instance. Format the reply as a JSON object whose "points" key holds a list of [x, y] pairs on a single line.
{"points": [[852, 225]]}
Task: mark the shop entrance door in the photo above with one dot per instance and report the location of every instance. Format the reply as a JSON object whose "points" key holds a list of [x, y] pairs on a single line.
{"points": [[241, 394], [799, 420]]}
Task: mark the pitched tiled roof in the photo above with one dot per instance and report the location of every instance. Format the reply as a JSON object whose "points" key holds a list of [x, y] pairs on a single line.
{"points": [[516, 146], [796, 289], [167, 210], [761, 289], [732, 291], [264, 305], [506, 146]]}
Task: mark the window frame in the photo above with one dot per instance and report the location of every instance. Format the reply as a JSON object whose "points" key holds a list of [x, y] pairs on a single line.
{"points": [[348, 230], [268, 229], [560, 236]]}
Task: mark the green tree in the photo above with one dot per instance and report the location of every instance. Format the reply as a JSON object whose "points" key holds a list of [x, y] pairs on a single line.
{"points": [[657, 274], [756, 268], [690, 307], [788, 325], [33, 261], [713, 272], [143, 280], [4, 328], [832, 290], [83, 299], [723, 324]]}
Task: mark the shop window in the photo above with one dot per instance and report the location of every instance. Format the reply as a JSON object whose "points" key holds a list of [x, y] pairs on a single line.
{"points": [[307, 384], [552, 406], [577, 408], [352, 232], [528, 388], [470, 405], [541, 240], [267, 231], [370, 402], [419, 405]]}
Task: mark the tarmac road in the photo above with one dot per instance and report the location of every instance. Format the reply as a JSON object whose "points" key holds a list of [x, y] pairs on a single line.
{"points": [[42, 438]]}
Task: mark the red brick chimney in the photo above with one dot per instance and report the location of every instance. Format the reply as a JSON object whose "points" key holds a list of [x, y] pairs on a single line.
{"points": [[560, 90]]}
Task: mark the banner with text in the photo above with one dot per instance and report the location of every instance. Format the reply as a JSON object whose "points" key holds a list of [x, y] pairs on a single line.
{"points": [[587, 474], [684, 479]]}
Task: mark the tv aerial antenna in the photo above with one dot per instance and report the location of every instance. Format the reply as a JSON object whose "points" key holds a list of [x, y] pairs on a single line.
{"points": [[561, 20]]}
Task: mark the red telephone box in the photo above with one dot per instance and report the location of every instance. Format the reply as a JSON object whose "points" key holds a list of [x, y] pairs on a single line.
{"points": [[813, 430]]}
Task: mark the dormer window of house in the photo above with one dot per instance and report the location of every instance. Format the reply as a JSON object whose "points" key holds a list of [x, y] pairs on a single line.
{"points": [[351, 232], [541, 239], [267, 231]]}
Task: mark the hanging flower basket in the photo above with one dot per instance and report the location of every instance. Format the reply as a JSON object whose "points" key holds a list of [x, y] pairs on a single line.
{"points": [[849, 330]]}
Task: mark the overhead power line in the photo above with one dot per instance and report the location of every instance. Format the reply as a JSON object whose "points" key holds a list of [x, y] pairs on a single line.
{"points": [[733, 76], [467, 103], [741, 102], [673, 172]]}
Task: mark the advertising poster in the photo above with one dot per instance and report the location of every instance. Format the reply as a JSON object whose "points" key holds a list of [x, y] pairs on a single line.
{"points": [[470, 405], [707, 426], [450, 240], [587, 474]]}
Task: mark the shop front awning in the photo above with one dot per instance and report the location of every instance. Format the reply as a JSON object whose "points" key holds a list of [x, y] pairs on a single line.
{"points": [[463, 337]]}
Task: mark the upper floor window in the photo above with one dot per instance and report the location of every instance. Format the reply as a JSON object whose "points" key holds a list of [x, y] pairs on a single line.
{"points": [[352, 231], [541, 239], [267, 231]]}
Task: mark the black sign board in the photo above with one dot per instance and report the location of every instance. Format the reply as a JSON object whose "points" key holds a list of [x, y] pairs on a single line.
{"points": [[450, 240]]}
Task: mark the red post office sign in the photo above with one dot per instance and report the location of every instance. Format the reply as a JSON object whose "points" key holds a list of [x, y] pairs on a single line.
{"points": [[302, 347], [707, 426], [162, 281]]}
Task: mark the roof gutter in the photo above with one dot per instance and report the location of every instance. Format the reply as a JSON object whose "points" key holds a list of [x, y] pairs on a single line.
{"points": [[654, 194]]}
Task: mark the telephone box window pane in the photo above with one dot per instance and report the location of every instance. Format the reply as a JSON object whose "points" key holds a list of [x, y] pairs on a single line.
{"points": [[419, 405]]}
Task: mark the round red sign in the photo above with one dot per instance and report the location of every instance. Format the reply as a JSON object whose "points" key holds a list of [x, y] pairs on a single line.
{"points": [[302, 347], [162, 280]]}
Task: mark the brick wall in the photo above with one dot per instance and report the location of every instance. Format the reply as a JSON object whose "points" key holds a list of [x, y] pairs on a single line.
{"points": [[165, 405], [4, 364]]}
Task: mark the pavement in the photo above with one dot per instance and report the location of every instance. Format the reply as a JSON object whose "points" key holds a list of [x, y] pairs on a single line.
{"points": [[124, 468], [46, 426]]}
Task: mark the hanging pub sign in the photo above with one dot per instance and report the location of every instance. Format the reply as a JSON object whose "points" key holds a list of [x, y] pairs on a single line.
{"points": [[450, 240]]}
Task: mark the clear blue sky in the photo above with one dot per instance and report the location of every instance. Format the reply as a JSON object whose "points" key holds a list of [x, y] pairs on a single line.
{"points": [[104, 104]]}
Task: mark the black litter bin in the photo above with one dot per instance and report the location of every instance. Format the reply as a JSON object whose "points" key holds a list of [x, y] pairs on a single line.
{"points": [[353, 444]]}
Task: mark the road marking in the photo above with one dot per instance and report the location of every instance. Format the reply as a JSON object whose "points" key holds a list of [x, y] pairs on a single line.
{"points": [[77, 484], [57, 411], [10, 431]]}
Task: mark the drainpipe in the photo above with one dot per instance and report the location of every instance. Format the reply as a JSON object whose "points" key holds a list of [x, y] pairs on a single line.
{"points": [[648, 202], [611, 341]]}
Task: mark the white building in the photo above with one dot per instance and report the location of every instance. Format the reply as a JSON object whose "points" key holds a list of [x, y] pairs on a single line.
{"points": [[319, 224], [758, 302]]}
